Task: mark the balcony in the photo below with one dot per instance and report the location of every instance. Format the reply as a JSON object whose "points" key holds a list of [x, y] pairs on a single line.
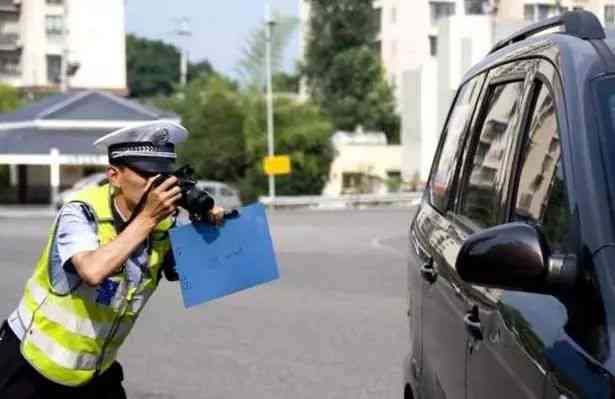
{"points": [[10, 6], [9, 42]]}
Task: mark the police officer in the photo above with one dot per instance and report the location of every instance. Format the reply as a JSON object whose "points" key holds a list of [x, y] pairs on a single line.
{"points": [[104, 258]]}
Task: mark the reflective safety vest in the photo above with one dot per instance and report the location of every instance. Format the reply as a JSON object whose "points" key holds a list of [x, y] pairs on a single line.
{"points": [[72, 336]]}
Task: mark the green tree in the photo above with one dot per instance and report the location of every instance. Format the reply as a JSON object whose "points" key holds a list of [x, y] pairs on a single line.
{"points": [[344, 74], [10, 99], [211, 109], [152, 66], [200, 69], [285, 83], [302, 132], [228, 138], [252, 65]]}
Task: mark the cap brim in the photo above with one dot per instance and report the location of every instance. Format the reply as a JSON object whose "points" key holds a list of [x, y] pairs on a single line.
{"points": [[157, 165]]}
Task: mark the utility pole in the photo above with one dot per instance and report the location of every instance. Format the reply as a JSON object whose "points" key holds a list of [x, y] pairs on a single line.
{"points": [[270, 145], [183, 31]]}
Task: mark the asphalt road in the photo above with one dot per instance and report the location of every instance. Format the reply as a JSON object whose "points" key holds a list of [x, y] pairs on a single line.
{"points": [[332, 326]]}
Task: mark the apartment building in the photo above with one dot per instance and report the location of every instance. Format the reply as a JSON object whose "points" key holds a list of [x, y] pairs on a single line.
{"points": [[42, 41], [427, 45]]}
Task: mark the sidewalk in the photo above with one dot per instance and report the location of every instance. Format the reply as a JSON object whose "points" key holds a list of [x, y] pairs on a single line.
{"points": [[26, 211]]}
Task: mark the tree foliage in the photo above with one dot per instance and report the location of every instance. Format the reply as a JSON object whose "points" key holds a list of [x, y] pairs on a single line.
{"points": [[228, 138], [153, 67], [211, 109], [10, 99], [252, 65], [302, 132], [342, 69]]}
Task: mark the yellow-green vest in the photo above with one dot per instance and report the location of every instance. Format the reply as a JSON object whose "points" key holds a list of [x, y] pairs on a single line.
{"points": [[71, 337]]}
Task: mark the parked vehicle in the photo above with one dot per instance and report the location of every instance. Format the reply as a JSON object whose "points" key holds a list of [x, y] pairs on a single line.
{"points": [[224, 195], [511, 271]]}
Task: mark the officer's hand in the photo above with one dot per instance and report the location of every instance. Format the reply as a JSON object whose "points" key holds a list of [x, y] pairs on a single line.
{"points": [[162, 200], [216, 216]]}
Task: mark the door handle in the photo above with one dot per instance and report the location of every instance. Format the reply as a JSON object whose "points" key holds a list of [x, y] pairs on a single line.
{"points": [[428, 272], [473, 325]]}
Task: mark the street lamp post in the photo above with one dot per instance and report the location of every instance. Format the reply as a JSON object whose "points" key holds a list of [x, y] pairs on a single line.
{"points": [[184, 32], [270, 145]]}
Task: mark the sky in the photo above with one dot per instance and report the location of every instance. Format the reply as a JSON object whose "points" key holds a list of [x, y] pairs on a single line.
{"points": [[219, 27]]}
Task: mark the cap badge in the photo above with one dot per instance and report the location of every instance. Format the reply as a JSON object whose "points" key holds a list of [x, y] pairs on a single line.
{"points": [[161, 137]]}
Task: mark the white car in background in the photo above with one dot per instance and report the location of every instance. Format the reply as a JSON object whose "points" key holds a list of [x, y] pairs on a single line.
{"points": [[224, 195], [96, 179]]}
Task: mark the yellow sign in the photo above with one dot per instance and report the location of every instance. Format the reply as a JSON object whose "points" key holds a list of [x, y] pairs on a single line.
{"points": [[278, 165]]}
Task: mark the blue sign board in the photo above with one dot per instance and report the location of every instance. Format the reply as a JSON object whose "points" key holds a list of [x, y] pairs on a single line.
{"points": [[216, 261]]}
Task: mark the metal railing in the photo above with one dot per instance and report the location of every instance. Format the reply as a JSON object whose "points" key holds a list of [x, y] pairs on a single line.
{"points": [[343, 201]]}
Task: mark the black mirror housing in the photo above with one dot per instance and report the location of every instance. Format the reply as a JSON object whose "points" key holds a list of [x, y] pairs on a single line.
{"points": [[514, 256]]}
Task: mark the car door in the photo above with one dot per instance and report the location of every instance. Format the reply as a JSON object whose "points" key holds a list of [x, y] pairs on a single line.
{"points": [[432, 262], [481, 203], [514, 325]]}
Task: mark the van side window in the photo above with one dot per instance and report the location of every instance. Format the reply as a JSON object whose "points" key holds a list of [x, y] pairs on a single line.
{"points": [[541, 193], [444, 171], [480, 201]]}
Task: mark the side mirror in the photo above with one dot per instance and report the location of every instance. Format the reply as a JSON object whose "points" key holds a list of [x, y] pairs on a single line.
{"points": [[515, 256]]}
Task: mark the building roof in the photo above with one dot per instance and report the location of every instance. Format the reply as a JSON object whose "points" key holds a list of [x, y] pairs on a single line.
{"points": [[86, 105], [69, 122], [40, 141]]}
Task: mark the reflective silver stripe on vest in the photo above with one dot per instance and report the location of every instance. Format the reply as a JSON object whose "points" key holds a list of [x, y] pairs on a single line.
{"points": [[58, 354], [69, 321]]}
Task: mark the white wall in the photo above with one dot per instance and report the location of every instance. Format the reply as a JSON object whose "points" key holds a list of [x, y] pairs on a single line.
{"points": [[97, 41], [34, 72], [374, 160]]}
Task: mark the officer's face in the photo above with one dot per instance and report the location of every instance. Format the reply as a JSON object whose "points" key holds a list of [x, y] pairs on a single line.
{"points": [[129, 184]]}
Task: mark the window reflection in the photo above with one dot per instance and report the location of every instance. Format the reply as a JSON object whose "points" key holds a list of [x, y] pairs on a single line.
{"points": [[480, 202]]}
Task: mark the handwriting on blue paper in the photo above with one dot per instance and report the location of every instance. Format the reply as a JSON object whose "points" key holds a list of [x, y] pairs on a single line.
{"points": [[216, 261]]}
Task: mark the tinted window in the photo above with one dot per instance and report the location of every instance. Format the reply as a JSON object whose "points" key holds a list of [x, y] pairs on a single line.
{"points": [[444, 171], [541, 195], [481, 199]]}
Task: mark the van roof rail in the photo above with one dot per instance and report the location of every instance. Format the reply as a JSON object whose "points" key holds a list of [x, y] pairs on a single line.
{"points": [[579, 23]]}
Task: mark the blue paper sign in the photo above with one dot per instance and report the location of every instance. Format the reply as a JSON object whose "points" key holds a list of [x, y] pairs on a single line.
{"points": [[216, 261]]}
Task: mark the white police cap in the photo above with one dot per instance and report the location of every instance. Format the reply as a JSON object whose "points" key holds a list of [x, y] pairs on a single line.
{"points": [[148, 147]]}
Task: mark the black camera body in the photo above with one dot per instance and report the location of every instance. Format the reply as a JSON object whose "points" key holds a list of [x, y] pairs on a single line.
{"points": [[196, 201]]}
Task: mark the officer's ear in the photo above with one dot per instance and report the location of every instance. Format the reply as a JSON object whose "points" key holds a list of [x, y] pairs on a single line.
{"points": [[113, 174]]}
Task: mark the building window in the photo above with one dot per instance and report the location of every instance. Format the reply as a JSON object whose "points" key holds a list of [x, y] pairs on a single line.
{"points": [[537, 12], [393, 15], [55, 2], [9, 65], [440, 9], [378, 19], [55, 24], [476, 7], [609, 15], [54, 68], [433, 45], [393, 181]]}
